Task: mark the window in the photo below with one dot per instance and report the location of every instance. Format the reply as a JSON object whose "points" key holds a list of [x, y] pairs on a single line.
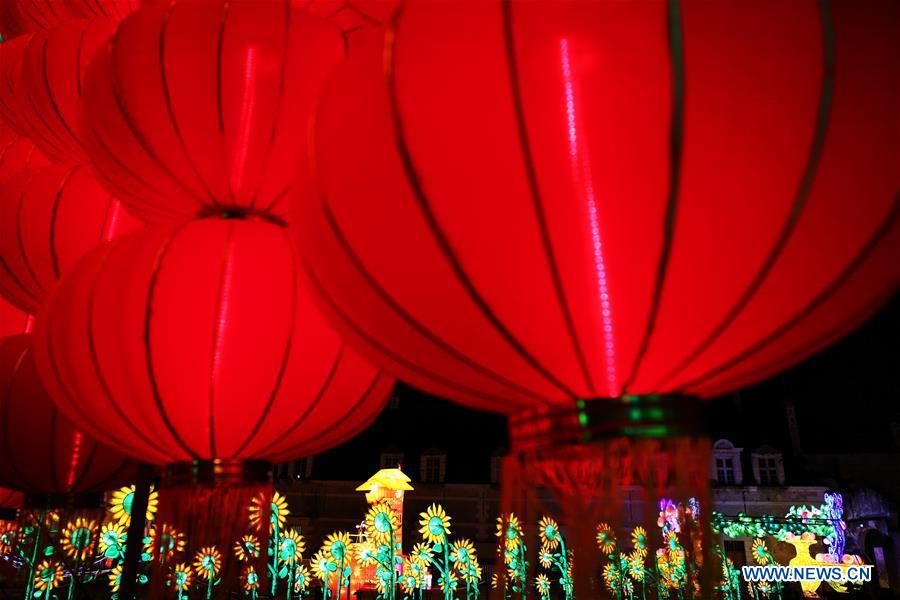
{"points": [[725, 471], [768, 473], [391, 460], [432, 467], [725, 467], [768, 466]]}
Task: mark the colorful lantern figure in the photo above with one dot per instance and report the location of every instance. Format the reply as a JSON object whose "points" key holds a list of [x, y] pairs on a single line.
{"points": [[49, 83], [41, 451], [50, 218], [591, 214], [198, 108], [196, 347]]}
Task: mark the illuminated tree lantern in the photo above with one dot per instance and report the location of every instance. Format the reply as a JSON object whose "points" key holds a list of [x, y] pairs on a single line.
{"points": [[591, 215]]}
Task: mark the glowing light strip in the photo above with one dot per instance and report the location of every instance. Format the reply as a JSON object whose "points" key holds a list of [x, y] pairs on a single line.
{"points": [[581, 170], [248, 105], [75, 460]]}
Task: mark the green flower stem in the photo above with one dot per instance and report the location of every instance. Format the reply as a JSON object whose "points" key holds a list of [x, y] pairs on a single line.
{"points": [[340, 575], [72, 579], [275, 549], [290, 586], [209, 586], [564, 568], [29, 589], [448, 591], [392, 594], [325, 587]]}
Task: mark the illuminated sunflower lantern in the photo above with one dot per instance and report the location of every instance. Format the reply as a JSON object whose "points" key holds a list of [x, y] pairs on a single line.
{"points": [[592, 215], [79, 538], [121, 501]]}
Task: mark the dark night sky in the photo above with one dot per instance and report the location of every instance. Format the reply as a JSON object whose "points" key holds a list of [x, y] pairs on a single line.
{"points": [[851, 389]]}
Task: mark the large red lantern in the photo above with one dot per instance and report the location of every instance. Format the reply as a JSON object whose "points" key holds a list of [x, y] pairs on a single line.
{"points": [[197, 347], [562, 210], [35, 15], [50, 84], [42, 451], [198, 108], [50, 218]]}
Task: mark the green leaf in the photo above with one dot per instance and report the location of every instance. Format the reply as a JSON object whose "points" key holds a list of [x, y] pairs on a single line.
{"points": [[37, 593], [283, 572], [143, 579], [438, 548], [49, 550]]}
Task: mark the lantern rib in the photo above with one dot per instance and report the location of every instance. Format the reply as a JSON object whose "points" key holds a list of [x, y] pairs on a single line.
{"points": [[78, 50], [57, 198], [220, 44], [110, 155], [437, 233], [367, 275], [19, 285], [95, 363], [63, 142], [535, 192], [148, 355], [288, 348], [804, 189], [362, 425], [827, 338], [359, 402], [393, 356], [279, 105], [296, 424], [21, 243], [277, 199], [132, 128], [871, 244], [163, 30], [676, 139]]}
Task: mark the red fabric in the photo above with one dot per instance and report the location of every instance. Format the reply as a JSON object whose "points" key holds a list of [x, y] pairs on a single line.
{"points": [[50, 218], [10, 56], [199, 342], [202, 107], [50, 83], [40, 450], [555, 209], [16, 154], [10, 498]]}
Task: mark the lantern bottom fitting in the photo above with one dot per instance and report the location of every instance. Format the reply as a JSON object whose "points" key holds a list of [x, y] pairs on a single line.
{"points": [[589, 420], [216, 472]]}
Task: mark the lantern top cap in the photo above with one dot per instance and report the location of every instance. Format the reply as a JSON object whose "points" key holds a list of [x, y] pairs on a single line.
{"points": [[392, 479]]}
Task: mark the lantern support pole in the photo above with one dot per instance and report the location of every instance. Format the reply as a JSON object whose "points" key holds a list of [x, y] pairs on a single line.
{"points": [[140, 500]]}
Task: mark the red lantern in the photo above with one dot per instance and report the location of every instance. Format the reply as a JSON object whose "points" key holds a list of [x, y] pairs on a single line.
{"points": [[197, 343], [17, 154], [52, 68], [590, 201], [199, 108], [50, 218], [10, 55], [197, 347], [42, 451]]}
